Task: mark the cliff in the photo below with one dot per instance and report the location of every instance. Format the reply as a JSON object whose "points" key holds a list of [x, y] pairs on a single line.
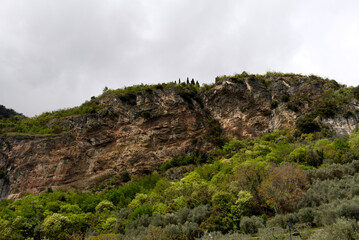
{"points": [[137, 132]]}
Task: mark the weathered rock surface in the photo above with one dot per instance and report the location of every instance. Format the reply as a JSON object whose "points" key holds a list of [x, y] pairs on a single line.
{"points": [[137, 138]]}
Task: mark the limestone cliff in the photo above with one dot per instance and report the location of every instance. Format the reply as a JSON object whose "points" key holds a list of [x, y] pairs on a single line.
{"points": [[138, 136]]}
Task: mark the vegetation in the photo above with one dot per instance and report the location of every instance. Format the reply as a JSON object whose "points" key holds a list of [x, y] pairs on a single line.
{"points": [[251, 187], [333, 100], [7, 113], [245, 189]]}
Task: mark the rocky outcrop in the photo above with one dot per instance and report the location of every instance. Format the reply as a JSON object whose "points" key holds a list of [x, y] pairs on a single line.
{"points": [[138, 136]]}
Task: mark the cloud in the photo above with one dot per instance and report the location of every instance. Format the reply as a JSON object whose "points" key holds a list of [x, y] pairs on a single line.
{"points": [[57, 54]]}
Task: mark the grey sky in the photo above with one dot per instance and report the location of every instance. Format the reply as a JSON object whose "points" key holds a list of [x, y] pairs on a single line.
{"points": [[58, 53]]}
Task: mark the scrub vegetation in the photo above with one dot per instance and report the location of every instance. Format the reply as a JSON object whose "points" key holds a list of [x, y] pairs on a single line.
{"points": [[332, 101], [305, 178], [245, 189]]}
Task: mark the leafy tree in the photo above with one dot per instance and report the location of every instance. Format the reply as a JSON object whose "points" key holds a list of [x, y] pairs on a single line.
{"points": [[55, 226], [307, 124], [283, 187], [356, 92], [299, 155], [105, 205]]}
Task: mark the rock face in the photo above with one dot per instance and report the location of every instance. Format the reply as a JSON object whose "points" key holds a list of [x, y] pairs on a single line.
{"points": [[136, 137]]}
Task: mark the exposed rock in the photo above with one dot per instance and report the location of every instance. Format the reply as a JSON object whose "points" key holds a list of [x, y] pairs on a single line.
{"points": [[138, 136]]}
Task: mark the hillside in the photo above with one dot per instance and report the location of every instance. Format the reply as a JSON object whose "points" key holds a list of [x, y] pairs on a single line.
{"points": [[179, 161], [7, 113], [134, 130]]}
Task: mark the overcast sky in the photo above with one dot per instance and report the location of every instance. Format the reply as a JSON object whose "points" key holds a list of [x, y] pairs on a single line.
{"points": [[58, 53]]}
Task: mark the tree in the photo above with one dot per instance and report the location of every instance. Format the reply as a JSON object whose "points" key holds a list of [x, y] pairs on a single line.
{"points": [[187, 80], [55, 226], [192, 82], [283, 187], [356, 92], [307, 124]]}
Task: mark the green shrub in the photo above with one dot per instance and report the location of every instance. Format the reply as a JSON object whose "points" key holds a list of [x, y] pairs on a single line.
{"points": [[326, 109], [342, 229], [129, 98], [70, 208], [104, 205], [350, 211], [307, 124], [55, 226], [285, 97], [214, 133], [293, 106], [306, 215], [273, 105], [250, 225], [356, 92], [142, 210], [277, 221]]}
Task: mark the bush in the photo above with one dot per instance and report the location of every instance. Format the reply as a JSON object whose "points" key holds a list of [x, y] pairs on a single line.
{"points": [[273, 105], [283, 187], [105, 205], [199, 214], [293, 106], [250, 225], [342, 229], [285, 97], [277, 221], [291, 218], [307, 124], [350, 211], [143, 210], [306, 215], [326, 109], [55, 226], [356, 92]]}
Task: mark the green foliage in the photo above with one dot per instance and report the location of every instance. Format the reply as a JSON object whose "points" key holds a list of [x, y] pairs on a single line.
{"points": [[54, 226], [285, 97], [225, 192], [195, 158], [215, 134], [189, 93], [7, 113], [307, 124], [326, 109], [48, 122], [237, 77], [122, 196], [142, 210], [356, 92], [342, 229], [250, 225], [273, 105], [104, 205]]}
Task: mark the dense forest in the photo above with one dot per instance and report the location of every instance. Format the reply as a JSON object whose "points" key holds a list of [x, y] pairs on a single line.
{"points": [[305, 179]]}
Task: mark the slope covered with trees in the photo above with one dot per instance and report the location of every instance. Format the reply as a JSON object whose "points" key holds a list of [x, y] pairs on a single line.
{"points": [[251, 187]]}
